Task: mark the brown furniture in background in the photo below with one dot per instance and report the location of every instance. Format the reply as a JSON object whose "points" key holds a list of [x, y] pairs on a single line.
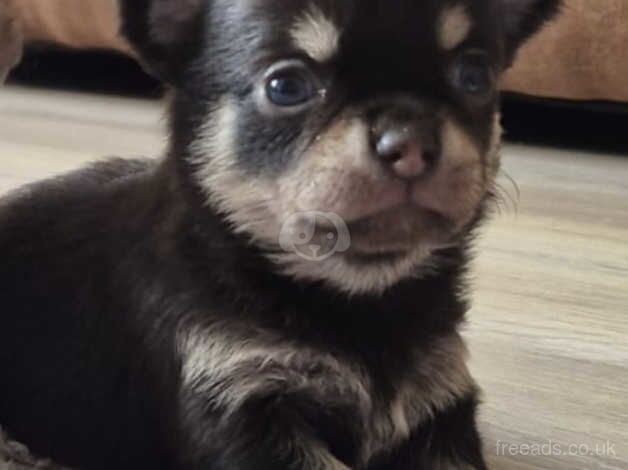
{"points": [[581, 56], [72, 23]]}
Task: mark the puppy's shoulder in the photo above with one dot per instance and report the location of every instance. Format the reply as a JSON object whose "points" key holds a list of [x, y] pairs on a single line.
{"points": [[90, 179], [43, 199], [60, 216]]}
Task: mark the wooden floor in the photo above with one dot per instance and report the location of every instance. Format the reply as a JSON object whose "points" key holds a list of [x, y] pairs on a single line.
{"points": [[549, 330]]}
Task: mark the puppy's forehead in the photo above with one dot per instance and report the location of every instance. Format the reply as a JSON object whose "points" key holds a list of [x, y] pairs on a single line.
{"points": [[321, 28]]}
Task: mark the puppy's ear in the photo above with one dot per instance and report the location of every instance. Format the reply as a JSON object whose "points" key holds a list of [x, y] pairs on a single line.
{"points": [[522, 19], [164, 33]]}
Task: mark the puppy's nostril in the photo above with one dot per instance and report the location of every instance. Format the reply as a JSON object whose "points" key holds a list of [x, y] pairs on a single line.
{"points": [[429, 157], [403, 153], [391, 144]]}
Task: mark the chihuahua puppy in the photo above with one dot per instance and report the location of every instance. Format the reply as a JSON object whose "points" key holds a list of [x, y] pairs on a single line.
{"points": [[284, 290]]}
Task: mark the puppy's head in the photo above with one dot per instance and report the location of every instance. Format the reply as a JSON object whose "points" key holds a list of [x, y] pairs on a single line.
{"points": [[349, 140]]}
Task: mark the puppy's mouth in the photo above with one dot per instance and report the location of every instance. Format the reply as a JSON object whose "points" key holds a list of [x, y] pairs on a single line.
{"points": [[392, 234], [385, 236], [376, 218]]}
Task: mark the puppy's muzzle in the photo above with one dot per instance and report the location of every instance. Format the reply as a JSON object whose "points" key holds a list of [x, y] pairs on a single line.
{"points": [[400, 174]]}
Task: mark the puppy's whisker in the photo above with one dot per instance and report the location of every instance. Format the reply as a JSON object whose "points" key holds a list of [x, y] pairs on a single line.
{"points": [[515, 197]]}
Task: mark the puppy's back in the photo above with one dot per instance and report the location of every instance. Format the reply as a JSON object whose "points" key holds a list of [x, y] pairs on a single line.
{"points": [[61, 368]]}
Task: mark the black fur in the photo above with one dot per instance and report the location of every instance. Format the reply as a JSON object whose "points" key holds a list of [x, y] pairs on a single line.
{"points": [[103, 267]]}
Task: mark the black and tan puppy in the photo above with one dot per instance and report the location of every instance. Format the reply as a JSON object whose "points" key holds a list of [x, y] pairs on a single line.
{"points": [[284, 289]]}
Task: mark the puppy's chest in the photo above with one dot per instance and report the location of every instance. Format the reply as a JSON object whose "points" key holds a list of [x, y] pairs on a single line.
{"points": [[391, 420], [227, 368], [433, 381]]}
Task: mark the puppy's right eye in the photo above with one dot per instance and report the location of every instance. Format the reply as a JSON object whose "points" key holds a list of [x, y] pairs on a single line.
{"points": [[473, 76], [290, 86], [290, 89]]}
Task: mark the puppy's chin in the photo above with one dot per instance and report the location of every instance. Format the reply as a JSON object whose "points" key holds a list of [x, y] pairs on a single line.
{"points": [[382, 249], [358, 275]]}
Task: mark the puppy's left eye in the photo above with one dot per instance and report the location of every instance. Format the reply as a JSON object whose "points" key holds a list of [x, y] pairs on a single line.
{"points": [[290, 85], [290, 89], [472, 75]]}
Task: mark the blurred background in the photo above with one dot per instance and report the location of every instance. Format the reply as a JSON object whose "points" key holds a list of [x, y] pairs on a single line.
{"points": [[549, 329]]}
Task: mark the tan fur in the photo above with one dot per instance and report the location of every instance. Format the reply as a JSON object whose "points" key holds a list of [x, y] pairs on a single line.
{"points": [[458, 185], [336, 173], [250, 204], [454, 26], [316, 35], [236, 365], [228, 366]]}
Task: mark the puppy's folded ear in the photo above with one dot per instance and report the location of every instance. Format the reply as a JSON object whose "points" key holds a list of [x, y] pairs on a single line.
{"points": [[522, 19], [166, 34]]}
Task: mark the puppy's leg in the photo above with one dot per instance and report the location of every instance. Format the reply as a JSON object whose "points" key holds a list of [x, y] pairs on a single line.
{"points": [[249, 403], [449, 441], [268, 433]]}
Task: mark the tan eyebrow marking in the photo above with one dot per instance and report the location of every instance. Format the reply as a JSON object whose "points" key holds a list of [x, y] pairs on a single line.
{"points": [[454, 26], [316, 35]]}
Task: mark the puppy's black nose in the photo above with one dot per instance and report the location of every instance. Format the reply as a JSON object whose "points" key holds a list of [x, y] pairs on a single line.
{"points": [[403, 152]]}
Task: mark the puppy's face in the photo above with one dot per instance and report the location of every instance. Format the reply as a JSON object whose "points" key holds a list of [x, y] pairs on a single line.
{"points": [[351, 141]]}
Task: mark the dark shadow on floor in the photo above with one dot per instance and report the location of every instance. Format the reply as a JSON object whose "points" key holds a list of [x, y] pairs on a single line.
{"points": [[594, 126], [92, 71]]}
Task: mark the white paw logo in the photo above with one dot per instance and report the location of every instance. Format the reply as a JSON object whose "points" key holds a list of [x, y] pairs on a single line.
{"points": [[314, 236]]}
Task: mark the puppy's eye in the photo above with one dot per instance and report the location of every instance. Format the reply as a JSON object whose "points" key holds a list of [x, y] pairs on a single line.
{"points": [[290, 89], [473, 75], [290, 85]]}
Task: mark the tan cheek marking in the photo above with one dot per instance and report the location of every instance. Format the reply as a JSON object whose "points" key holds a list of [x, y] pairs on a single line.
{"points": [[493, 155], [316, 35], [458, 185], [458, 148], [465, 172], [454, 27], [249, 203], [324, 176]]}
